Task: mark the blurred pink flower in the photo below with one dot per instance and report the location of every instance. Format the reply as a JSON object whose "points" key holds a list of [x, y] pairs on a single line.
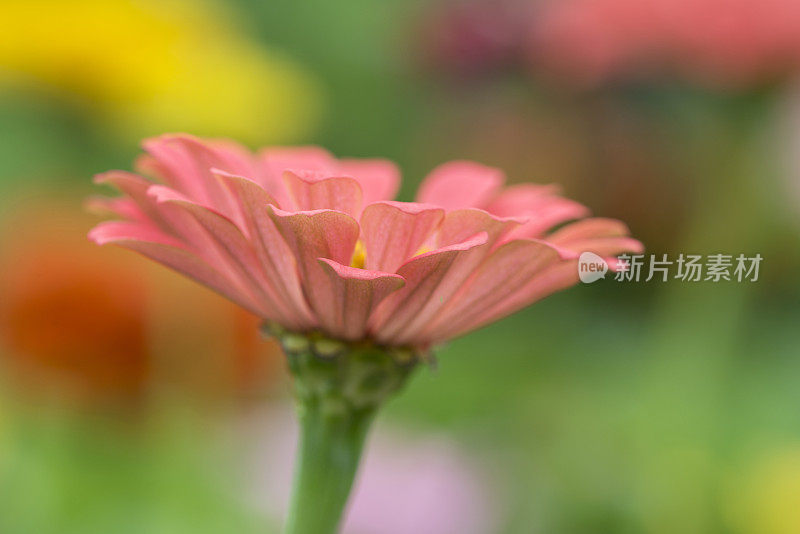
{"points": [[425, 485], [315, 243], [723, 43], [473, 38]]}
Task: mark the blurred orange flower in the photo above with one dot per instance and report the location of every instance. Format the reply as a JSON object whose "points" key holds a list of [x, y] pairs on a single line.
{"points": [[77, 322]]}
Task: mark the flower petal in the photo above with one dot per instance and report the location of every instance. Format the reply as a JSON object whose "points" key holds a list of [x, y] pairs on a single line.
{"points": [[587, 228], [354, 294], [462, 224], [427, 276], [498, 278], [393, 232], [554, 278], [178, 167], [186, 162], [315, 190], [319, 233], [605, 237], [227, 248], [277, 160], [136, 188], [521, 199], [379, 178], [173, 254], [553, 211], [274, 254], [459, 226], [311, 235], [460, 184], [123, 207], [539, 204], [606, 246]]}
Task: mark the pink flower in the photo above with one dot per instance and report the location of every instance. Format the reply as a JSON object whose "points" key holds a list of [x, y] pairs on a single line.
{"points": [[473, 39], [315, 243], [723, 43]]}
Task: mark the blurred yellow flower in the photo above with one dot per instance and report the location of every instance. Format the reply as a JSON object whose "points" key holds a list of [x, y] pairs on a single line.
{"points": [[151, 66], [765, 498]]}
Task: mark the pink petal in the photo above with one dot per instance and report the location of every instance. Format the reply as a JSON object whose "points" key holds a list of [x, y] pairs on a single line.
{"points": [[149, 166], [606, 246], [462, 224], [393, 232], [539, 204], [115, 231], [235, 158], [274, 254], [171, 253], [317, 234], [232, 253], [206, 156], [497, 279], [425, 275], [187, 162], [458, 226], [135, 187], [379, 178], [587, 228], [552, 279], [177, 222], [605, 237], [521, 199], [178, 168], [123, 207], [314, 190], [277, 160], [354, 295], [554, 211], [460, 184]]}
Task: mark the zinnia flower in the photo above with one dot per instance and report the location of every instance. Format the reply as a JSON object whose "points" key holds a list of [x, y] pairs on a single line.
{"points": [[355, 285], [314, 243]]}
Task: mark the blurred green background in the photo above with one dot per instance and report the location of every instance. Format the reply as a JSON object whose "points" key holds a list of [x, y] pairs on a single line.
{"points": [[129, 394]]}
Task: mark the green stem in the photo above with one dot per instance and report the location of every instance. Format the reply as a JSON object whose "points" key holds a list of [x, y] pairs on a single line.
{"points": [[339, 387], [329, 453]]}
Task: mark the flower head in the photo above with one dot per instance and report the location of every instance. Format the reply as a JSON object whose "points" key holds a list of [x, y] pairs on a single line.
{"points": [[315, 243]]}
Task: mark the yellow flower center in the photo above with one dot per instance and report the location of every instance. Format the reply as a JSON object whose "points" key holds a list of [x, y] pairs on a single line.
{"points": [[359, 255]]}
